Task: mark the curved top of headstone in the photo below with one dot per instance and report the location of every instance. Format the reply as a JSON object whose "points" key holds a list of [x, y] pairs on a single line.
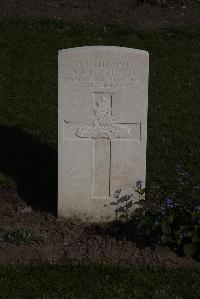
{"points": [[106, 48]]}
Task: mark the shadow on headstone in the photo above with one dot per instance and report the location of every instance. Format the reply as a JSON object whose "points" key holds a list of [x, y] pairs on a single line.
{"points": [[32, 165]]}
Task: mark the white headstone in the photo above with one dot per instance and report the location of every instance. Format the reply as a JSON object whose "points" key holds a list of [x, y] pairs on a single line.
{"points": [[102, 127]]}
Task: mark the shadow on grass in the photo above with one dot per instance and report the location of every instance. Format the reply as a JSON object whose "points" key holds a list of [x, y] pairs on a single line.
{"points": [[32, 165]]}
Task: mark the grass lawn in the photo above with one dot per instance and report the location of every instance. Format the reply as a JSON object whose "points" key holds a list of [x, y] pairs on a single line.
{"points": [[28, 100], [79, 281]]}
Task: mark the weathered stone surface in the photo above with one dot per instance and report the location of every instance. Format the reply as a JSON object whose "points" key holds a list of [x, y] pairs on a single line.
{"points": [[102, 128]]}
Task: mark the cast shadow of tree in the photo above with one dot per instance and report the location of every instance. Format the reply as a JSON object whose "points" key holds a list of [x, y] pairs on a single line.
{"points": [[32, 165]]}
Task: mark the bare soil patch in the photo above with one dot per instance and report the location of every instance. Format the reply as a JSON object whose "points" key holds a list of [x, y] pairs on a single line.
{"points": [[59, 241]]}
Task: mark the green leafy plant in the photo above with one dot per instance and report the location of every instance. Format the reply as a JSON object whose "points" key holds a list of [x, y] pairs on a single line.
{"points": [[119, 208], [19, 236], [172, 225], [139, 190], [162, 220], [123, 210], [123, 203]]}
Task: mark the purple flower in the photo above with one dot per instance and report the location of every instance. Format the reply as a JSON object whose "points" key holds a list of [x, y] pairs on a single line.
{"points": [[169, 202]]}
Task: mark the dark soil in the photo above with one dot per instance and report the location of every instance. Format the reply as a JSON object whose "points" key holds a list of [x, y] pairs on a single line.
{"points": [[141, 15], [59, 241]]}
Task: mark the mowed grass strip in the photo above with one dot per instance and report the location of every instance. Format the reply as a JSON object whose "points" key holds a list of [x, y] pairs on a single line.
{"points": [[95, 281], [28, 95]]}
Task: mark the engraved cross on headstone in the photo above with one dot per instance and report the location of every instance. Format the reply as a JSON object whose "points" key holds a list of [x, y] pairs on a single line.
{"points": [[103, 129]]}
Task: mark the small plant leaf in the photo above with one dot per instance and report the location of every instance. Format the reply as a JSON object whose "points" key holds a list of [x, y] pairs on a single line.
{"points": [[166, 229], [189, 249], [164, 239], [19, 236], [148, 231], [195, 239], [170, 218], [144, 222]]}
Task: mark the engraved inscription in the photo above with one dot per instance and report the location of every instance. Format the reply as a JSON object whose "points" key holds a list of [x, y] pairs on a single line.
{"points": [[102, 123], [102, 74]]}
